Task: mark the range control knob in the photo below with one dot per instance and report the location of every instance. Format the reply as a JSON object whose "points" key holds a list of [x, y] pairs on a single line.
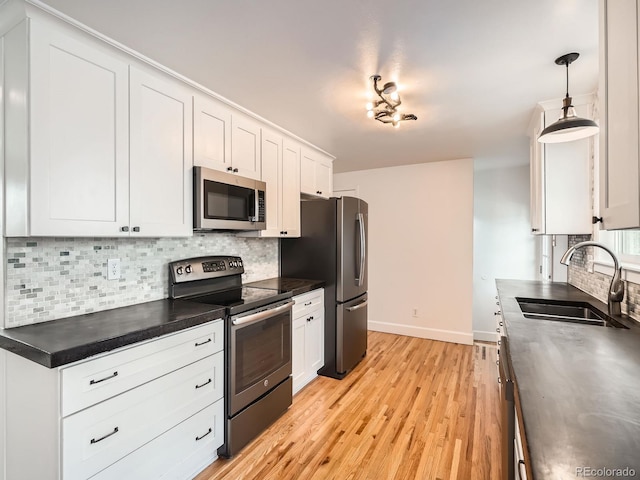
{"points": [[240, 263], [187, 269], [179, 270]]}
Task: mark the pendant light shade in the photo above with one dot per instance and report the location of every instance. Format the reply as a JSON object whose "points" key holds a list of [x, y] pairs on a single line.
{"points": [[569, 127]]}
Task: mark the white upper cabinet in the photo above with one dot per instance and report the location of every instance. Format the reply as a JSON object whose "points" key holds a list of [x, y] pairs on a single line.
{"points": [[79, 138], [560, 175], [245, 146], [161, 156], [316, 174], [211, 133], [619, 165], [96, 149], [225, 139], [280, 168]]}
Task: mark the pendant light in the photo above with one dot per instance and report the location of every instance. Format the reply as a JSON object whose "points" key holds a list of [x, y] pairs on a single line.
{"points": [[569, 127]]}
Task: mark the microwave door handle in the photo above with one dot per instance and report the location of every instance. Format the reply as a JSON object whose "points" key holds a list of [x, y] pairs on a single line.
{"points": [[363, 250]]}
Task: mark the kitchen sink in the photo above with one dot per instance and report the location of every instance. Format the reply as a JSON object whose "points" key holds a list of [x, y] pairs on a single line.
{"points": [[573, 312]]}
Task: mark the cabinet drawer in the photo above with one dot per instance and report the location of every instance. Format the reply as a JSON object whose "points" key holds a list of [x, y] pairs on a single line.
{"points": [[308, 302], [180, 453], [99, 436], [93, 381]]}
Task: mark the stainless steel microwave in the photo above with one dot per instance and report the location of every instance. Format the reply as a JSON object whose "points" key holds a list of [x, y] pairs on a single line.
{"points": [[224, 201]]}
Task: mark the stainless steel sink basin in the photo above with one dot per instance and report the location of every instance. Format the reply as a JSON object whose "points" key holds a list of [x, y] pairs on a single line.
{"points": [[573, 312]]}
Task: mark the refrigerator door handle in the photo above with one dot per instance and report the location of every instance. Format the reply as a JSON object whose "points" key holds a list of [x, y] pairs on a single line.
{"points": [[363, 250]]}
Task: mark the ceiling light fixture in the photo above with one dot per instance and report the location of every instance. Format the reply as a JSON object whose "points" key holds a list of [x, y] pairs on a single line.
{"points": [[569, 127], [385, 110]]}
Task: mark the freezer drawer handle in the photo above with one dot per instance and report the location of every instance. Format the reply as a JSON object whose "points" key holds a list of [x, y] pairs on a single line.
{"points": [[257, 317], [357, 307], [93, 440]]}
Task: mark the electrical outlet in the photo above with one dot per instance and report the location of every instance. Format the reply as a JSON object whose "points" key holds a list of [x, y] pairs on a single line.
{"points": [[415, 312], [113, 269]]}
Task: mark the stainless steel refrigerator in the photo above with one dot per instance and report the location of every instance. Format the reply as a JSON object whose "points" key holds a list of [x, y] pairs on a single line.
{"points": [[333, 247]]}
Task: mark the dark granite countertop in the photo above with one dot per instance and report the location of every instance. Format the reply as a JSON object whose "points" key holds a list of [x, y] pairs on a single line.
{"points": [[296, 285], [579, 385], [67, 340]]}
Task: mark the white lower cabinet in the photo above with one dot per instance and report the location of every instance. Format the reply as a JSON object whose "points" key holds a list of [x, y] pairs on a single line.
{"points": [[168, 425], [308, 338]]}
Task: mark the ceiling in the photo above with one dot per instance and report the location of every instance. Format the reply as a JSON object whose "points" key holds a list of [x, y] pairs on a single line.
{"points": [[472, 71]]}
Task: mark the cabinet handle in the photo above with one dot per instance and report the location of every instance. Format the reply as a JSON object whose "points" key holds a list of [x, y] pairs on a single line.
{"points": [[93, 440], [500, 323], [499, 380], [310, 318], [200, 438], [229, 169], [202, 343], [498, 329], [124, 229], [235, 170], [205, 383], [499, 342], [136, 229], [534, 229], [497, 313], [498, 362], [307, 304], [113, 375]]}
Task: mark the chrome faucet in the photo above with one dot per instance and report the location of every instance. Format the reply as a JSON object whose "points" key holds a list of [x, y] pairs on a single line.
{"points": [[616, 288]]}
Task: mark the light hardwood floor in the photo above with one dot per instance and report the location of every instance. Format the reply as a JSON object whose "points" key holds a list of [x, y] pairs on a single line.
{"points": [[412, 409]]}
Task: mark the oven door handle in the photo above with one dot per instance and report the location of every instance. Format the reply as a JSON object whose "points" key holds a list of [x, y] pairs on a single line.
{"points": [[257, 317]]}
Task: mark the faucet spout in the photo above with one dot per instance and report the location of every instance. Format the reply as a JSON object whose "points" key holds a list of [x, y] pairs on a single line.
{"points": [[616, 287]]}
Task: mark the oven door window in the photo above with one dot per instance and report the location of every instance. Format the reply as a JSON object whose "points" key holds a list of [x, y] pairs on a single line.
{"points": [[261, 349], [228, 202]]}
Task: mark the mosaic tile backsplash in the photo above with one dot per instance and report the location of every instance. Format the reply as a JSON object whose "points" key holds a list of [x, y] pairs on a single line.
{"points": [[50, 278], [596, 283]]}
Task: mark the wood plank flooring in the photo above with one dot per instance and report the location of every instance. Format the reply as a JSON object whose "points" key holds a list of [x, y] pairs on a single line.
{"points": [[412, 409]]}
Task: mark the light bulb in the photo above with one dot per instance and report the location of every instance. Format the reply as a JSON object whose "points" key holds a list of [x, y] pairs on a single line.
{"points": [[369, 106], [396, 117], [395, 96], [370, 114]]}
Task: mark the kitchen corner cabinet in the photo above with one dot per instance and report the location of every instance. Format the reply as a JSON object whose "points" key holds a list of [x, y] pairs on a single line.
{"points": [[307, 341], [281, 172], [224, 139], [148, 411], [560, 175], [92, 148], [316, 174], [619, 162]]}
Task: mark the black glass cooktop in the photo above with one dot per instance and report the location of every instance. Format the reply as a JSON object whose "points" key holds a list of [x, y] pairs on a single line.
{"points": [[241, 299]]}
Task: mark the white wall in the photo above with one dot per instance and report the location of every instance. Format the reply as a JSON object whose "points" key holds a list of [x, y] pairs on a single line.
{"points": [[420, 247], [503, 244]]}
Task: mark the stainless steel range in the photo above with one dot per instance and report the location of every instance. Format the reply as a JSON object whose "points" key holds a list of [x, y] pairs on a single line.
{"points": [[257, 340]]}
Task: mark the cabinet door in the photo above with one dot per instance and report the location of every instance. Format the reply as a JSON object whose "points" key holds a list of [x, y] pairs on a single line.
{"points": [[271, 165], [245, 146], [298, 339], [324, 178], [536, 169], [79, 137], [314, 343], [619, 170], [290, 193], [211, 133], [161, 157], [307, 172]]}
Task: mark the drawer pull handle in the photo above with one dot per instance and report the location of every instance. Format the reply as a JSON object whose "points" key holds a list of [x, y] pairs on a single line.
{"points": [[307, 304], [93, 440], [200, 438], [310, 318], [202, 343], [113, 375], [205, 383]]}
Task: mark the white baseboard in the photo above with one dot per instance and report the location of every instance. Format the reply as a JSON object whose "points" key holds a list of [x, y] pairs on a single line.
{"points": [[423, 332], [485, 336]]}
